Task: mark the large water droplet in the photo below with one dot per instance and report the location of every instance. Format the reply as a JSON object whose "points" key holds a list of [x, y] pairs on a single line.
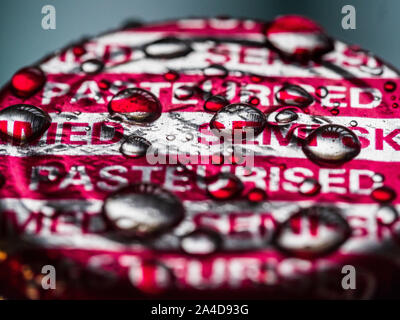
{"points": [[294, 95], [167, 48], [27, 81], [201, 242], [312, 232], [238, 119], [142, 210], [331, 145], [135, 146], [135, 104], [215, 103], [224, 186], [27, 122], [298, 37]]}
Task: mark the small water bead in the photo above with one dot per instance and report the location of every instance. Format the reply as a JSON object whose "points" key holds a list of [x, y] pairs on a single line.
{"points": [[331, 145], [135, 104], [383, 194], [390, 86], [78, 50], [256, 195], [395, 105], [184, 92], [135, 147], [201, 242], [104, 84], [224, 186], [312, 232], [170, 137], [386, 215], [171, 76], [142, 210], [255, 101], [256, 78], [309, 187], [29, 122], [215, 70], [238, 121], [167, 48], [377, 177], [321, 92], [92, 66], [294, 95], [335, 111], [353, 123], [215, 103], [27, 81]]}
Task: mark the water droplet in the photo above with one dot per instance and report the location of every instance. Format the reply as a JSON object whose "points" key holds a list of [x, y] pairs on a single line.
{"points": [[167, 48], [87, 128], [184, 92], [189, 136], [27, 81], [294, 95], [256, 195], [224, 186], [383, 194], [377, 177], [395, 105], [135, 146], [31, 121], [390, 86], [353, 123], [286, 116], [386, 215], [215, 70], [171, 76], [135, 104], [321, 92], [335, 111], [104, 84], [78, 50], [309, 187], [256, 78], [142, 210], [255, 101], [92, 66], [201, 242], [238, 119], [298, 37], [170, 137], [331, 145], [215, 103], [312, 232]]}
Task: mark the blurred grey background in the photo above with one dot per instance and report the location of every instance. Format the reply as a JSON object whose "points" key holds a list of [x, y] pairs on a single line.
{"points": [[23, 41]]}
